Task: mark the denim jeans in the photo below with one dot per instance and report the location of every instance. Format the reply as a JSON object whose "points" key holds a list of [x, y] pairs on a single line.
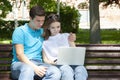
{"points": [[22, 71], [76, 73]]}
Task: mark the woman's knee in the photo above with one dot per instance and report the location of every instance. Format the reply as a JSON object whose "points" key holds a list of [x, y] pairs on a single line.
{"points": [[81, 70], [66, 69], [66, 72], [54, 72]]}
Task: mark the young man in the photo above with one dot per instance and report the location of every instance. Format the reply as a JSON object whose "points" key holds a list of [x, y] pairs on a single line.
{"points": [[27, 46]]}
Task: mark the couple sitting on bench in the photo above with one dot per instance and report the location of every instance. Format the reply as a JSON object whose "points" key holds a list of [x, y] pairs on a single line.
{"points": [[28, 46]]}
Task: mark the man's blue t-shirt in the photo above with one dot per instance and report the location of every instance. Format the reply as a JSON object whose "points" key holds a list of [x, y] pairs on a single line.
{"points": [[31, 40]]}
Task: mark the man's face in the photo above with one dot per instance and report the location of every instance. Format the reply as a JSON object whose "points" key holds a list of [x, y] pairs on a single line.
{"points": [[37, 22]]}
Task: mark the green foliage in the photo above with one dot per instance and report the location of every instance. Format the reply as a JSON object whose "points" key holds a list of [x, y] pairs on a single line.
{"points": [[69, 16], [48, 5], [103, 0], [7, 28], [5, 8], [83, 5]]}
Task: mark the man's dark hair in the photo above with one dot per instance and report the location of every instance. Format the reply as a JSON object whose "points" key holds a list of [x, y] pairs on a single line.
{"points": [[37, 11]]}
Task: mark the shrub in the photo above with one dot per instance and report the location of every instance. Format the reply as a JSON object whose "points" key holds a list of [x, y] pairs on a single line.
{"points": [[7, 27], [69, 18]]}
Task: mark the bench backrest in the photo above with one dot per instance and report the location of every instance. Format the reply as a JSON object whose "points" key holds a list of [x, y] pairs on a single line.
{"points": [[102, 61]]}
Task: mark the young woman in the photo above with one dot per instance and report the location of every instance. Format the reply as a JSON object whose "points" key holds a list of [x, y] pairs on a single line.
{"points": [[55, 39]]}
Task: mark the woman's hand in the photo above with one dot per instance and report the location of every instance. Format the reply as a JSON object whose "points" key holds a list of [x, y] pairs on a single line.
{"points": [[52, 62], [72, 37]]}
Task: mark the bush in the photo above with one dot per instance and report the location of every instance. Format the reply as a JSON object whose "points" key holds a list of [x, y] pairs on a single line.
{"points": [[7, 28], [69, 18], [83, 5]]}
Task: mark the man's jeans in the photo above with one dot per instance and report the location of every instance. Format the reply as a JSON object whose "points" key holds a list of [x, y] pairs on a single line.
{"points": [[22, 71]]}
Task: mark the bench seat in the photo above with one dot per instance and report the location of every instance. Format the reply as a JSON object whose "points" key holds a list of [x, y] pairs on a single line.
{"points": [[102, 61]]}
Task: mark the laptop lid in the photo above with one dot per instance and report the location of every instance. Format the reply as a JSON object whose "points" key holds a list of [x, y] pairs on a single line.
{"points": [[71, 55]]}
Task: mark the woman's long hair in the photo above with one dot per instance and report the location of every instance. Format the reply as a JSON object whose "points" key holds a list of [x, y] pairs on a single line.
{"points": [[49, 20]]}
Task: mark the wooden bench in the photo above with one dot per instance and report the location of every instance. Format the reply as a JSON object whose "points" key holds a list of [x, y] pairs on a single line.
{"points": [[102, 61]]}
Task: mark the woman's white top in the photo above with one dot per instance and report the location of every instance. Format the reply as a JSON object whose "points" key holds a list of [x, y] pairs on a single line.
{"points": [[51, 45]]}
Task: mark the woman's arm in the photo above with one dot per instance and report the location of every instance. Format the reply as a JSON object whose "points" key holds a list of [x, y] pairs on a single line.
{"points": [[45, 58], [72, 44]]}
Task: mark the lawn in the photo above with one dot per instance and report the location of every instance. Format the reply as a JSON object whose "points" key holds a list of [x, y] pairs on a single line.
{"points": [[107, 37]]}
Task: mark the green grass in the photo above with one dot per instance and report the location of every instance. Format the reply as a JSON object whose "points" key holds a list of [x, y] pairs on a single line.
{"points": [[7, 41], [107, 37]]}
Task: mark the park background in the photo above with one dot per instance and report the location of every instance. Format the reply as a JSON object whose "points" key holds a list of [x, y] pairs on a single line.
{"points": [[109, 19]]}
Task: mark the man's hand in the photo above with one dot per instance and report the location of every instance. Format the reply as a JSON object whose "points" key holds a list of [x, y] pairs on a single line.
{"points": [[72, 37], [40, 70]]}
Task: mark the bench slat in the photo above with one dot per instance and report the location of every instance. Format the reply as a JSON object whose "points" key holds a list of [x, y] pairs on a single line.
{"points": [[102, 67], [5, 75], [104, 74], [88, 67], [5, 68], [102, 61], [110, 49], [5, 54], [100, 75], [87, 61], [3, 62], [103, 54], [6, 49], [98, 45], [94, 78]]}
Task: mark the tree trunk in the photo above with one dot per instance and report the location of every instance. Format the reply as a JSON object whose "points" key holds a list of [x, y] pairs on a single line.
{"points": [[94, 22]]}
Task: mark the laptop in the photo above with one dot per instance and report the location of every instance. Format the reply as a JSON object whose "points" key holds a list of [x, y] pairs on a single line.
{"points": [[71, 55]]}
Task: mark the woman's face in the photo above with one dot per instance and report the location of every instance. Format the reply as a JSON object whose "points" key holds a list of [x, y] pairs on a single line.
{"points": [[55, 28]]}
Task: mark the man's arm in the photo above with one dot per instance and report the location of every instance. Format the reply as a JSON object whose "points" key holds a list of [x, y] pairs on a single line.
{"points": [[40, 71]]}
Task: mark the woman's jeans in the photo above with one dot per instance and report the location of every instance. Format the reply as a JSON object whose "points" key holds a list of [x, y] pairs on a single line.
{"points": [[22, 71], [73, 72]]}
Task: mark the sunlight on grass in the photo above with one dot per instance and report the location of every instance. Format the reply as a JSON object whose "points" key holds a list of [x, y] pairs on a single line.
{"points": [[110, 42], [5, 41], [107, 37]]}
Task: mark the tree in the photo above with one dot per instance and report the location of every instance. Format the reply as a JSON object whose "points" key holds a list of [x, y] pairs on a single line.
{"points": [[5, 8], [69, 16], [94, 22], [48, 5], [95, 37]]}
